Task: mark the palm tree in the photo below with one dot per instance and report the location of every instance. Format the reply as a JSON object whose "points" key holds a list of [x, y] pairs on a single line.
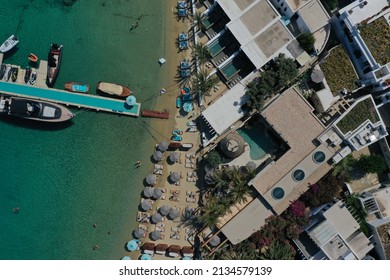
{"points": [[242, 251], [238, 193], [209, 218], [202, 83], [201, 53], [197, 21], [343, 167]]}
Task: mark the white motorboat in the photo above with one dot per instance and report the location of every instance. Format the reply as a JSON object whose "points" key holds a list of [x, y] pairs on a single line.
{"points": [[11, 42]]}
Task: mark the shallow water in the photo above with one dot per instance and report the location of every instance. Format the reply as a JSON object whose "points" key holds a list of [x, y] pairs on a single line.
{"points": [[66, 178]]}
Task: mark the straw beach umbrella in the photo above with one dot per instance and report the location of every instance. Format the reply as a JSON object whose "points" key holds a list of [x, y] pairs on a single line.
{"points": [[164, 210], [215, 241], [162, 146], [139, 232], [251, 165], [157, 194], [155, 235], [146, 205], [151, 179], [175, 176], [156, 218], [148, 192], [157, 156], [174, 157], [173, 213]]}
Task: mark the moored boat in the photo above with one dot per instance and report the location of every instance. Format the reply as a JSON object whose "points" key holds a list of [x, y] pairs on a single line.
{"points": [[53, 63], [11, 42], [34, 109], [33, 78], [114, 89], [76, 87], [3, 67], [32, 57], [7, 74], [27, 75], [14, 73]]}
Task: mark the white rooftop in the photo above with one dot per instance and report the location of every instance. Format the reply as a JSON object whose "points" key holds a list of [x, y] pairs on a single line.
{"points": [[359, 12], [227, 109], [314, 15]]}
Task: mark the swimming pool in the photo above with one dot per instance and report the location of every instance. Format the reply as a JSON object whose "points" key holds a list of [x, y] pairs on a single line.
{"points": [[215, 47], [258, 139], [229, 70]]}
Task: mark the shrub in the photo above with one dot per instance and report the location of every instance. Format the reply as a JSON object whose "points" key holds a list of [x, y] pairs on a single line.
{"points": [[306, 40], [372, 163]]}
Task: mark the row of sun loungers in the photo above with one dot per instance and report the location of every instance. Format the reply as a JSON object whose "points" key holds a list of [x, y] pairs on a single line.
{"points": [[158, 169]]}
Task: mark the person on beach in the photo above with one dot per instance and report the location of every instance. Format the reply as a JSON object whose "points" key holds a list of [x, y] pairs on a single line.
{"points": [[94, 225], [95, 247], [138, 163]]}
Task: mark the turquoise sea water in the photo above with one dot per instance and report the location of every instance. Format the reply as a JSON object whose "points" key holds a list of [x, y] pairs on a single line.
{"points": [[66, 178]]}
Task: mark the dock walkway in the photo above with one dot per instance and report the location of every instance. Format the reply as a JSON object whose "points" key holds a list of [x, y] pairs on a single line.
{"points": [[42, 92]]}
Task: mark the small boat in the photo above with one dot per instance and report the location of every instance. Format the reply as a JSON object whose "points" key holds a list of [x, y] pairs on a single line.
{"points": [[32, 57], [34, 109], [27, 75], [33, 78], [3, 67], [76, 87], [114, 89], [53, 63], [11, 42], [176, 137], [155, 114], [187, 146], [177, 132], [7, 74], [14, 73], [174, 145]]}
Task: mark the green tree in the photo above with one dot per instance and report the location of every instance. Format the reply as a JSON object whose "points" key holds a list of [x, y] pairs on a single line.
{"points": [[344, 167], [278, 250], [201, 53], [197, 21], [214, 159], [372, 163], [202, 83], [306, 40]]}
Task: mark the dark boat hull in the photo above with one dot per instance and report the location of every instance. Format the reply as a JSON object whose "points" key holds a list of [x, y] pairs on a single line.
{"points": [[53, 64]]}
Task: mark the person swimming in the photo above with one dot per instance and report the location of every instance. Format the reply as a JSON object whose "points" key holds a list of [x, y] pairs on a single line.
{"points": [[16, 210]]}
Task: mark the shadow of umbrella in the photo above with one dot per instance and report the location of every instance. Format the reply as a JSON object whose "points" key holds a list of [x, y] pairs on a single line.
{"points": [[148, 192], [150, 179], [162, 146]]}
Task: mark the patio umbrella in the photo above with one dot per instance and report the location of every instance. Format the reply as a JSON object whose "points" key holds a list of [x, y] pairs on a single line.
{"points": [[173, 213], [162, 146], [146, 257], [317, 75], [188, 107], [251, 165], [146, 205], [157, 193], [215, 241], [130, 100], [174, 157], [175, 176], [164, 210], [126, 258], [151, 179], [157, 156], [148, 192], [155, 235], [132, 245], [156, 218], [139, 232]]}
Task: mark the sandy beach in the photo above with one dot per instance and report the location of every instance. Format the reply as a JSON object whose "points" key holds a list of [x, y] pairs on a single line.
{"points": [[175, 196]]}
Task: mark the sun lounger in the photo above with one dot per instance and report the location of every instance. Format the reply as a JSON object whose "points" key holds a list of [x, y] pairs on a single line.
{"points": [[175, 236], [190, 238], [175, 229], [158, 171]]}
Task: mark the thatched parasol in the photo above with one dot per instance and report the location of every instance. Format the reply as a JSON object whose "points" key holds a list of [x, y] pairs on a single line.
{"points": [[148, 192], [215, 241], [175, 176], [151, 179], [155, 235], [146, 205], [174, 157], [232, 145], [173, 213], [139, 232], [162, 146], [164, 210], [157, 193], [157, 156], [156, 218]]}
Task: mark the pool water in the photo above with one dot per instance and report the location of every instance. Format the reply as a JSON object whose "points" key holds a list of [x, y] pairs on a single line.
{"points": [[258, 139], [229, 70], [215, 47]]}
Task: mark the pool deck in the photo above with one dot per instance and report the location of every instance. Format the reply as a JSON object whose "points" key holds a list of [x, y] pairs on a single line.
{"points": [[42, 92]]}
